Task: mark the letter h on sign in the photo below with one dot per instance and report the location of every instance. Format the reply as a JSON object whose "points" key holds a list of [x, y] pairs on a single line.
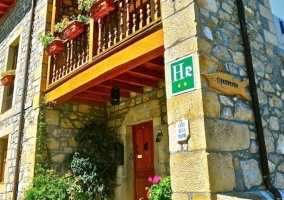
{"points": [[182, 75]]}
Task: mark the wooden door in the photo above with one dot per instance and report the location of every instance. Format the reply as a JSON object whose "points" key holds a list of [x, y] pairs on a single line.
{"points": [[143, 151]]}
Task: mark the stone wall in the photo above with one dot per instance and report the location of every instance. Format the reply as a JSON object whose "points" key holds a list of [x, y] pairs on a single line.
{"points": [[232, 122], [16, 25], [226, 142], [63, 122]]}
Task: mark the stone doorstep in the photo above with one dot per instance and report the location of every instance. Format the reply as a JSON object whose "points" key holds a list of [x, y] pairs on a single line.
{"points": [[255, 195]]}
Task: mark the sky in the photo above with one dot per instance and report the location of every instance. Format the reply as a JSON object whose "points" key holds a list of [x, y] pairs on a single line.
{"points": [[277, 7]]}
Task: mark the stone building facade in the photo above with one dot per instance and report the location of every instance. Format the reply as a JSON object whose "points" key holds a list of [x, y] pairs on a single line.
{"points": [[222, 157]]}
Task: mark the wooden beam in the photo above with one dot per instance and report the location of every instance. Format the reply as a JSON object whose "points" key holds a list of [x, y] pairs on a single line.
{"points": [[100, 89], [123, 87], [144, 72], [125, 78], [136, 54], [93, 96], [86, 101]]}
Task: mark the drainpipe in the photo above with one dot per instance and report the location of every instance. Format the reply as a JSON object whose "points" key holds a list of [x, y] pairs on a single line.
{"points": [[255, 104], [22, 111]]}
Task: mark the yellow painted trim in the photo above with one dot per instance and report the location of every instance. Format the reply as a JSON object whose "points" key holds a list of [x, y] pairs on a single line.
{"points": [[15, 38], [93, 75]]}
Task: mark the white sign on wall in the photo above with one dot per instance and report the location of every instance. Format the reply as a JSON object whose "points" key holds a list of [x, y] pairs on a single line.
{"points": [[182, 130], [279, 28]]}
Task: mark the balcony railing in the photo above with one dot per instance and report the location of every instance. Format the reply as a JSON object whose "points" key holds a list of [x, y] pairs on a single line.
{"points": [[128, 18]]}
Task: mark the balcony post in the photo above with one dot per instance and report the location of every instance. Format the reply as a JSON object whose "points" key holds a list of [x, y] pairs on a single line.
{"points": [[54, 4], [91, 39]]}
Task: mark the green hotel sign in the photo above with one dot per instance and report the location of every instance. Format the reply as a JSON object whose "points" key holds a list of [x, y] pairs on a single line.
{"points": [[182, 75]]}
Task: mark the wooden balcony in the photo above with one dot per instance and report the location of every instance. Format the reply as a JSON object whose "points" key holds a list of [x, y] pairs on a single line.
{"points": [[120, 42]]}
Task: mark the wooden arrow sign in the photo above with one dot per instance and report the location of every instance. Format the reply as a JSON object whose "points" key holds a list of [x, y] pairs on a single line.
{"points": [[226, 84]]}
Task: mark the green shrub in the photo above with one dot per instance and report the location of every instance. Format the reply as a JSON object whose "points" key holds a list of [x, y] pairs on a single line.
{"points": [[85, 4], [12, 72], [45, 39], [93, 167], [49, 186], [161, 188]]}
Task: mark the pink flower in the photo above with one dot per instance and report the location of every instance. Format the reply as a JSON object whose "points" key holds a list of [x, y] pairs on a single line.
{"points": [[150, 179], [156, 179]]}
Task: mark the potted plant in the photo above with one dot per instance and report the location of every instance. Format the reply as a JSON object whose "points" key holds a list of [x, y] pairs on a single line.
{"points": [[97, 9], [51, 45], [71, 28], [7, 77]]}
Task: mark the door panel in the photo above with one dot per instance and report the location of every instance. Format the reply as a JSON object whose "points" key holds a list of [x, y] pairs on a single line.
{"points": [[143, 151]]}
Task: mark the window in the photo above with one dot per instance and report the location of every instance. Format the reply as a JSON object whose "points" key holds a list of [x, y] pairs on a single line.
{"points": [[3, 154], [278, 18], [11, 64]]}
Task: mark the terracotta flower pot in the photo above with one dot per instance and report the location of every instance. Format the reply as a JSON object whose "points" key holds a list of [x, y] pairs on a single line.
{"points": [[7, 79], [102, 8], [54, 47], [73, 30]]}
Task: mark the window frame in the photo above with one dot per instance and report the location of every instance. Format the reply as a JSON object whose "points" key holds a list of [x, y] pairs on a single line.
{"points": [[3, 158]]}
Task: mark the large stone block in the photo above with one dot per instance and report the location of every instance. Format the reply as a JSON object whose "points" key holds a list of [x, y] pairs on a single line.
{"points": [[84, 109], [201, 196], [251, 173], [211, 104], [182, 29], [189, 172], [185, 106], [181, 49], [181, 196], [53, 144], [210, 5], [197, 140], [31, 131], [52, 117], [209, 64], [265, 12], [168, 8], [226, 136], [221, 172], [243, 112]]}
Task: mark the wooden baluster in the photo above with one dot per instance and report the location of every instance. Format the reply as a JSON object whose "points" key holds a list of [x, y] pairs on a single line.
{"points": [[116, 26], [99, 36], [115, 33], [110, 30], [74, 54], [134, 28], [104, 33], [148, 12], [63, 64], [127, 18], [85, 45], [71, 56], [54, 69], [79, 50], [59, 73], [141, 24], [121, 24], [156, 15], [68, 58]]}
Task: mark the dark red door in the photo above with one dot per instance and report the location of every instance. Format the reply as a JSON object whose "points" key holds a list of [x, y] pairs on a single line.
{"points": [[143, 151]]}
